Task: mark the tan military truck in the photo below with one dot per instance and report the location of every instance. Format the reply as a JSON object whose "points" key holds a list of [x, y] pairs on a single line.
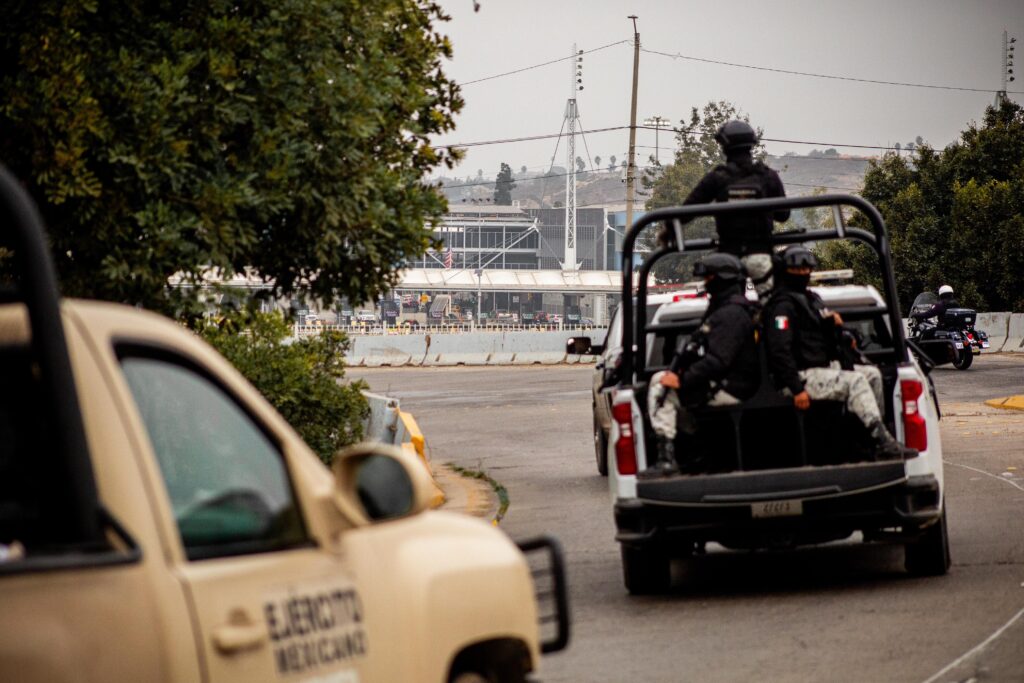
{"points": [[159, 521]]}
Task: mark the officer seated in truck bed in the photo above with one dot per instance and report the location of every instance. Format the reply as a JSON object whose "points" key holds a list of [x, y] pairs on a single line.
{"points": [[733, 437]]}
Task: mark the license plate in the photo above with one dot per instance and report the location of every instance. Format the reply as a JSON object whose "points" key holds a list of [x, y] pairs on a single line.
{"points": [[958, 345], [984, 345], [777, 508]]}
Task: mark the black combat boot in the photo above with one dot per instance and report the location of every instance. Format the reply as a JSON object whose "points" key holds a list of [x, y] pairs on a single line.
{"points": [[888, 448], [666, 464]]}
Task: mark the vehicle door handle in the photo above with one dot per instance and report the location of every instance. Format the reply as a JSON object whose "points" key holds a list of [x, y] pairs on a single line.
{"points": [[239, 634]]}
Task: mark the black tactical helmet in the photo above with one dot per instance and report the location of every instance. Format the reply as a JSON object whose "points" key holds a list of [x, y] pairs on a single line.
{"points": [[722, 266], [736, 135], [799, 256]]}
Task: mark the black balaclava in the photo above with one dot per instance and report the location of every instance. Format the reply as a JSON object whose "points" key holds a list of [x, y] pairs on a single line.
{"points": [[796, 283], [740, 156], [719, 290]]}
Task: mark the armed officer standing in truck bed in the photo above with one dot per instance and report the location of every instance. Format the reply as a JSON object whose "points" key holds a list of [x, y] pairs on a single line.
{"points": [[803, 351], [746, 235], [717, 366]]}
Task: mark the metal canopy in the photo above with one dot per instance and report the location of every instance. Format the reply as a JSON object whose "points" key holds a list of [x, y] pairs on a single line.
{"points": [[569, 282]]}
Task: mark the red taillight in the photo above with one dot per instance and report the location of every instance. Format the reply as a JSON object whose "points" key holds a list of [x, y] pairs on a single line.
{"points": [[625, 453], [915, 429]]}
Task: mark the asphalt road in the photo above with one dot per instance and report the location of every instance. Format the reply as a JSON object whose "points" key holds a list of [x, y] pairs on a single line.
{"points": [[843, 612]]}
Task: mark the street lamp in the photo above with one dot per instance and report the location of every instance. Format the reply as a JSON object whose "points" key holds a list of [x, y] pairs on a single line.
{"points": [[479, 278], [658, 122]]}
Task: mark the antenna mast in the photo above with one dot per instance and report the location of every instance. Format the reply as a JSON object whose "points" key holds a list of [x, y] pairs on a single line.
{"points": [[1008, 48]]}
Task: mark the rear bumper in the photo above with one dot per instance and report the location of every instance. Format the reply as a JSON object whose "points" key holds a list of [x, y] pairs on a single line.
{"points": [[835, 502]]}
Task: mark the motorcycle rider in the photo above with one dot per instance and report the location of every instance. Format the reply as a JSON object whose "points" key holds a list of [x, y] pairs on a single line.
{"points": [[945, 302], [746, 235], [803, 348], [718, 366]]}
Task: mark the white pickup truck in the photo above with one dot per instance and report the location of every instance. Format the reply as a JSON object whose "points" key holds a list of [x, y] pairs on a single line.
{"points": [[771, 476]]}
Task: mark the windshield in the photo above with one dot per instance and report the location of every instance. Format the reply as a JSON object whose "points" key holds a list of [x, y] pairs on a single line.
{"points": [[924, 301]]}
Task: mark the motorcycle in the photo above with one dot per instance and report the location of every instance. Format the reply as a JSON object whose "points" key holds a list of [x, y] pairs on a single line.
{"points": [[952, 339]]}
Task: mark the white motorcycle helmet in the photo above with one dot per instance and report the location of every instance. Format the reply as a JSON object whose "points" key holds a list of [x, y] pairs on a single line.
{"points": [[945, 289]]}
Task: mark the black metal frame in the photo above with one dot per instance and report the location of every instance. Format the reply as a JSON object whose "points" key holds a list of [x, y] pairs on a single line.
{"points": [[559, 590], [633, 330], [77, 503]]}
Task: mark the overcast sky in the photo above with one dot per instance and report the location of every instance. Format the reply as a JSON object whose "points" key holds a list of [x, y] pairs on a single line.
{"points": [[932, 42]]}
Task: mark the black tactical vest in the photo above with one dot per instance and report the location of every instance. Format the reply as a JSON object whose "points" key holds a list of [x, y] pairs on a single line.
{"points": [[743, 233]]}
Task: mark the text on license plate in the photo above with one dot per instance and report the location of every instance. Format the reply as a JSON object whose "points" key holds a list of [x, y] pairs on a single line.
{"points": [[777, 508]]}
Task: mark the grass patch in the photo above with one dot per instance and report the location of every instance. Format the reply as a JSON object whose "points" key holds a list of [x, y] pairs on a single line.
{"points": [[499, 490]]}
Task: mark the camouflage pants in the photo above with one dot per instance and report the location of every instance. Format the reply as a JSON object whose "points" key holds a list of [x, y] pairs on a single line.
{"points": [[848, 386], [665, 418], [874, 377], [759, 269]]}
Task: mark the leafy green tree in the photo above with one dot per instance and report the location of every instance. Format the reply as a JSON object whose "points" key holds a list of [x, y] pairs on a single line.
{"points": [[954, 216], [302, 379], [696, 153], [287, 136], [503, 186]]}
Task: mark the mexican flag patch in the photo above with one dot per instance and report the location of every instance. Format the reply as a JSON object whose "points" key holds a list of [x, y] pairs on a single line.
{"points": [[782, 322]]}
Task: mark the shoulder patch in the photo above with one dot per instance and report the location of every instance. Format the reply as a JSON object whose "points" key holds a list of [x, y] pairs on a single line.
{"points": [[782, 322]]}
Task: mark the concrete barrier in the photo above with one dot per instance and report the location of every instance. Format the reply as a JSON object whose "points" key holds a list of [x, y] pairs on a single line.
{"points": [[582, 359], [522, 347], [997, 325], [388, 423], [381, 425], [539, 358], [529, 347], [1015, 334], [392, 350]]}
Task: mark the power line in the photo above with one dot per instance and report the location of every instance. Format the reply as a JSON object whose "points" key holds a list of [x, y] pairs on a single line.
{"points": [[527, 139], [817, 75], [674, 130], [537, 66], [690, 131]]}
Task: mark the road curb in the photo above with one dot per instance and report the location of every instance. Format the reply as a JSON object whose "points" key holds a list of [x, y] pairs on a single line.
{"points": [[466, 494], [1007, 402]]}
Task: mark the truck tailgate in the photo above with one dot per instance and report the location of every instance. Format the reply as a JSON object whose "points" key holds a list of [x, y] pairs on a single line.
{"points": [[802, 482]]}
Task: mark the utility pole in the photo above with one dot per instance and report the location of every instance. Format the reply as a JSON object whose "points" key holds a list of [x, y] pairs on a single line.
{"points": [[631, 162]]}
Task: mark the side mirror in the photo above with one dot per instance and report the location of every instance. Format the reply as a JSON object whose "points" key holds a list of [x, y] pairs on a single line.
{"points": [[376, 482], [582, 346]]}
